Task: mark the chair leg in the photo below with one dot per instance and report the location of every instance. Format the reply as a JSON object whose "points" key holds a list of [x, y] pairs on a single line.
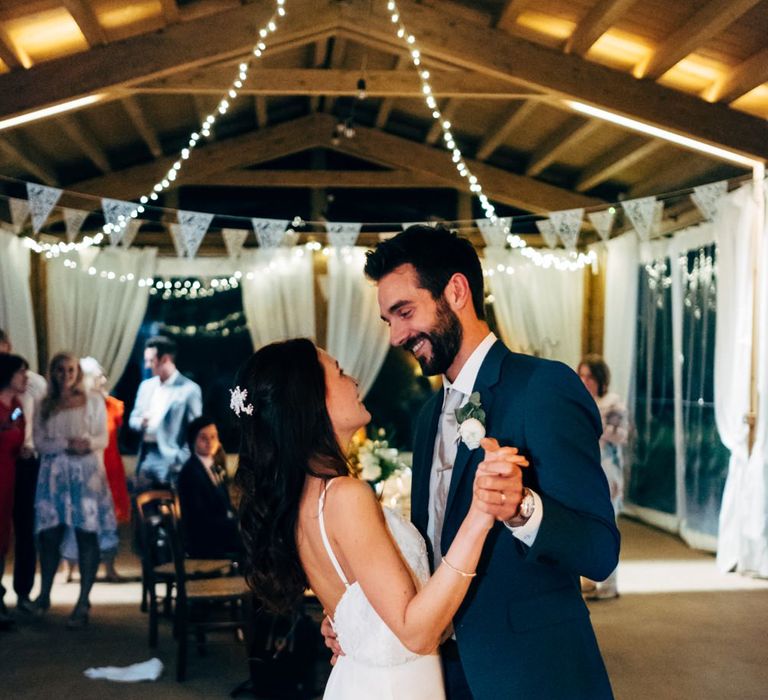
{"points": [[181, 645], [152, 618]]}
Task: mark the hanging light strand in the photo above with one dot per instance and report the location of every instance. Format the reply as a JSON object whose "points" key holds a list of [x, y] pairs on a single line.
{"points": [[574, 262]]}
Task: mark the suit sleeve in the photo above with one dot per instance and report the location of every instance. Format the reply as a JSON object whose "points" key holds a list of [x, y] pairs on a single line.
{"points": [[194, 409], [137, 414], [562, 428]]}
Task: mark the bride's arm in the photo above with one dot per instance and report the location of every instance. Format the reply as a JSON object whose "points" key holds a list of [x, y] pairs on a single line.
{"points": [[359, 530]]}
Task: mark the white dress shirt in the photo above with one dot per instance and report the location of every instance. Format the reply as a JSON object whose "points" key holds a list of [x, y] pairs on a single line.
{"points": [[465, 383], [159, 401]]}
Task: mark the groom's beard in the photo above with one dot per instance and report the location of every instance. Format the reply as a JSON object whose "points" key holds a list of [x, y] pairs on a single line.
{"points": [[444, 340]]}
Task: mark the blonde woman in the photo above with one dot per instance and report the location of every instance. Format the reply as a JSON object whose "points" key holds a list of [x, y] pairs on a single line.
{"points": [[72, 491]]}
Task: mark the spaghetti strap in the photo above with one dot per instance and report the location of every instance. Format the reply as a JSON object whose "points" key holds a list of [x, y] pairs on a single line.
{"points": [[324, 535]]}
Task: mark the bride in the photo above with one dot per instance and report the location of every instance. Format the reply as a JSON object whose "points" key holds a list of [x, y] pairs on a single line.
{"points": [[306, 523]]}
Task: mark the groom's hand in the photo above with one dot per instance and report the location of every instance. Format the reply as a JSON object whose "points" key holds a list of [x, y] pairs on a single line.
{"points": [[330, 639], [499, 480]]}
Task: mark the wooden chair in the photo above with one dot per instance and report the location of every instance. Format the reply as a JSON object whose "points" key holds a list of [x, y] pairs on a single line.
{"points": [[203, 604], [157, 565]]}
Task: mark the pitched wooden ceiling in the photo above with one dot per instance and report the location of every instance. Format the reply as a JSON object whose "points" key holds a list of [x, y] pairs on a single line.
{"points": [[503, 73]]}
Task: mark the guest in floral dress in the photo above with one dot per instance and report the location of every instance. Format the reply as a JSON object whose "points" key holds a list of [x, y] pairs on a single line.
{"points": [[596, 375], [72, 491], [13, 382]]}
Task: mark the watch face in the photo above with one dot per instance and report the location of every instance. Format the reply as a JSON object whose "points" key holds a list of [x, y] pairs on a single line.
{"points": [[527, 506]]}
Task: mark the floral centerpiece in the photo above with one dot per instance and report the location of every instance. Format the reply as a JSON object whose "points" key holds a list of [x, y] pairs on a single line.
{"points": [[385, 468]]}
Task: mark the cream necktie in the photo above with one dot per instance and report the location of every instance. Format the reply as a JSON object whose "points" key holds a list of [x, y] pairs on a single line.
{"points": [[443, 468]]}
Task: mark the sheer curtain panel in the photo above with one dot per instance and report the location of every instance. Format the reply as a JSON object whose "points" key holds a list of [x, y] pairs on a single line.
{"points": [[16, 316]]}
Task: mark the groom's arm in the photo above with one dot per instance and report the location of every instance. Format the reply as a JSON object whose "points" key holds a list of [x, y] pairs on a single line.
{"points": [[562, 429]]}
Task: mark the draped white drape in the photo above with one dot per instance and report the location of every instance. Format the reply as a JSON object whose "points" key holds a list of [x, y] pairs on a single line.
{"points": [[357, 337], [538, 310], [16, 315], [743, 532], [620, 325], [278, 294], [91, 315]]}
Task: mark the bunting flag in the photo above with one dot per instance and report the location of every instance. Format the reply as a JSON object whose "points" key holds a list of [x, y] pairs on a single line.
{"points": [[641, 213], [130, 232], [547, 231], [495, 234], [42, 200], [74, 220], [193, 226], [115, 213], [342, 235], [603, 222], [567, 225], [658, 217], [175, 231], [19, 213], [269, 232], [234, 240], [707, 198]]}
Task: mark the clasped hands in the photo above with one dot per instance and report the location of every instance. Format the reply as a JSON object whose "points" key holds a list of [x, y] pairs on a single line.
{"points": [[78, 446], [498, 488]]}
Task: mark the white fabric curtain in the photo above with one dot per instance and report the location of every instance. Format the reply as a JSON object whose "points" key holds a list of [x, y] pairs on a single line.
{"points": [[278, 294], [620, 325], [16, 315], [742, 537], [538, 310], [91, 315], [357, 337]]}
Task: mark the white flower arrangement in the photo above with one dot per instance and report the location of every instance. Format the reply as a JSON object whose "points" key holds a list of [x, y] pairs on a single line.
{"points": [[385, 468]]}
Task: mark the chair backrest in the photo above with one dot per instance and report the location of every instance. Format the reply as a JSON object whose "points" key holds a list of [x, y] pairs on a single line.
{"points": [[168, 522], [156, 543]]}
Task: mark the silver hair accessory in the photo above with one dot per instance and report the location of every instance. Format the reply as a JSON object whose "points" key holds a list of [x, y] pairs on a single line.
{"points": [[237, 402]]}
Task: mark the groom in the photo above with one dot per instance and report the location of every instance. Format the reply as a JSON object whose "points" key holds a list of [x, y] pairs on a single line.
{"points": [[523, 630]]}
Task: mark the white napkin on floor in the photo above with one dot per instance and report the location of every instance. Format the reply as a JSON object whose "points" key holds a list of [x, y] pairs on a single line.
{"points": [[144, 671]]}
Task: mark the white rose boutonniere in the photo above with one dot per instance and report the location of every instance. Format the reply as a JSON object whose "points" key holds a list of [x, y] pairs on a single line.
{"points": [[471, 419]]}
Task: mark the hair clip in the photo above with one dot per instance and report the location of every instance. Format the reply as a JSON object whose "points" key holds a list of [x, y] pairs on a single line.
{"points": [[237, 402]]}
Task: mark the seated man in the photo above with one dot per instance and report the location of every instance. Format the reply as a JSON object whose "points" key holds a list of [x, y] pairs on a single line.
{"points": [[208, 519]]}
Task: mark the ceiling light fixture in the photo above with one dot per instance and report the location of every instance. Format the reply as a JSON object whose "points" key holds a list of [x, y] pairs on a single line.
{"points": [[50, 111]]}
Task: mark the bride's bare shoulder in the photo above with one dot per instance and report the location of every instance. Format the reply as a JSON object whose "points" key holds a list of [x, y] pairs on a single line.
{"points": [[347, 495]]}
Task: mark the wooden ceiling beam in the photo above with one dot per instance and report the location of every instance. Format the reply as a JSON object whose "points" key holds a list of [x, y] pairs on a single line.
{"points": [[501, 55], [140, 123], [388, 103], [13, 56], [319, 50], [261, 111], [508, 123], [87, 20], [226, 35], [711, 19], [740, 80], [597, 22], [338, 82], [617, 159], [31, 161], [76, 132], [499, 185], [210, 159], [448, 110], [575, 130], [682, 169], [510, 12], [345, 179], [170, 11]]}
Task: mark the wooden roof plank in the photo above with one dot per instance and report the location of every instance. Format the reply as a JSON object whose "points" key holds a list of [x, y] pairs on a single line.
{"points": [[569, 135], [87, 20], [146, 131], [745, 77], [76, 131], [711, 19], [30, 160], [600, 18], [616, 160], [504, 127]]}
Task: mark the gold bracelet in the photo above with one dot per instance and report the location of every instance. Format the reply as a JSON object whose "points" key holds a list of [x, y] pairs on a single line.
{"points": [[465, 574]]}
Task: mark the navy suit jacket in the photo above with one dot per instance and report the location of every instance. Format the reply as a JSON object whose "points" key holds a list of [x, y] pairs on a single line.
{"points": [[523, 629]]}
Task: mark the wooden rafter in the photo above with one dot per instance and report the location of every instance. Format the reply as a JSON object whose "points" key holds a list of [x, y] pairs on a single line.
{"points": [[87, 20], [516, 190], [261, 111], [447, 110], [510, 12], [30, 160], [387, 104], [335, 61], [683, 168], [373, 179], [617, 159], [597, 21], [77, 133], [743, 78], [571, 133], [318, 59], [170, 11], [497, 53], [316, 82], [711, 19], [508, 123], [146, 131], [13, 56]]}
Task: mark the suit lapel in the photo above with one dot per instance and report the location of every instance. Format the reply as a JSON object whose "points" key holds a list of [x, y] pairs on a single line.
{"points": [[487, 378], [423, 465]]}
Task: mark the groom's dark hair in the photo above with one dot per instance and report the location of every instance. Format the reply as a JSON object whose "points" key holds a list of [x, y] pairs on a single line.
{"points": [[436, 253]]}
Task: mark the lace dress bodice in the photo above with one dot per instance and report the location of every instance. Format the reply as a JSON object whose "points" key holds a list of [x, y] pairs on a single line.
{"points": [[362, 633]]}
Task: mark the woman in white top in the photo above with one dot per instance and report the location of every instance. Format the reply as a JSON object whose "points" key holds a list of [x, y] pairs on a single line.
{"points": [[72, 491], [307, 523]]}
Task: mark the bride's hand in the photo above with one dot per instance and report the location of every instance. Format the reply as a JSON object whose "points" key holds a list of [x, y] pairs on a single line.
{"points": [[498, 487], [330, 639]]}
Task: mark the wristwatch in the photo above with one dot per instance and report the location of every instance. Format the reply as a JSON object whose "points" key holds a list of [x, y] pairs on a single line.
{"points": [[527, 505]]}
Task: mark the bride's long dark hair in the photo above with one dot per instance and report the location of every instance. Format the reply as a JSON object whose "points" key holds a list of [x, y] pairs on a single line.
{"points": [[288, 436]]}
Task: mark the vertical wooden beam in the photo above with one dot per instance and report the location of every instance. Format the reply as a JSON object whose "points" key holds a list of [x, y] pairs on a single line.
{"points": [[319, 51], [593, 315], [38, 286], [388, 103], [336, 60]]}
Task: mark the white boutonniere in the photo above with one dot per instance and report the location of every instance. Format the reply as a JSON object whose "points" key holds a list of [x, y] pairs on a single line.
{"points": [[471, 420]]}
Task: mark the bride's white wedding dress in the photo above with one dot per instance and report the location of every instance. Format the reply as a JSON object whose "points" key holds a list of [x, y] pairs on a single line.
{"points": [[376, 665]]}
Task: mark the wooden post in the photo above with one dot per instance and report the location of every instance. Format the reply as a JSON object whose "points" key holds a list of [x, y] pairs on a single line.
{"points": [[38, 285], [757, 233], [593, 315]]}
